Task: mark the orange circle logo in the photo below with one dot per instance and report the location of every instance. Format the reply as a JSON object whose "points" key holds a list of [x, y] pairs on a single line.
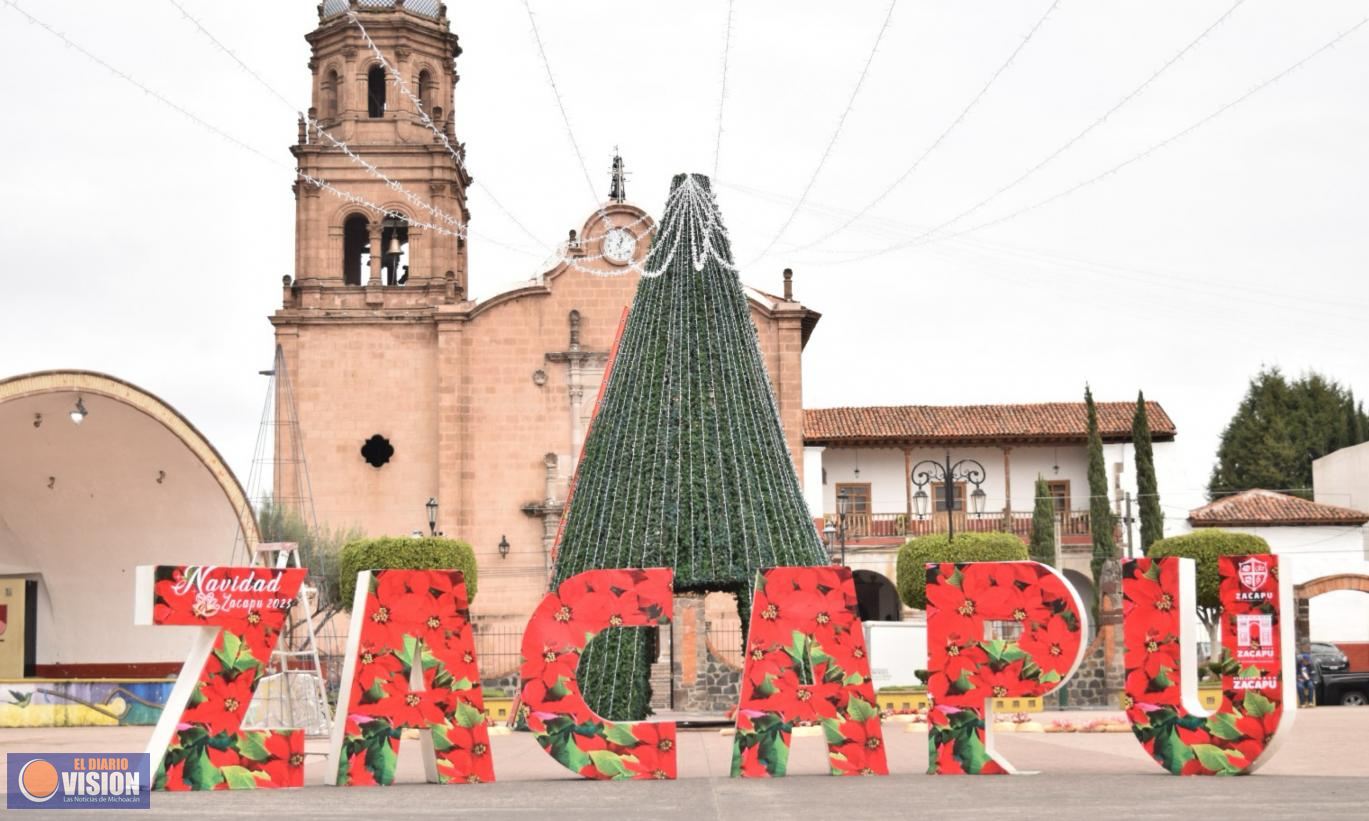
{"points": [[38, 780]]}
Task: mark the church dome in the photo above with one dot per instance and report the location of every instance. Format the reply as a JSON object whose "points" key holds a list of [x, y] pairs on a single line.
{"points": [[423, 8]]}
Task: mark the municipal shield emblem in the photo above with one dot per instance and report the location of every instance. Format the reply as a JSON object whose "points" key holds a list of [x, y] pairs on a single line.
{"points": [[1253, 573], [4, 618]]}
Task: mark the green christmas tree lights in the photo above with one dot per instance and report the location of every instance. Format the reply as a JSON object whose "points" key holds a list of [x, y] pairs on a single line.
{"points": [[686, 465]]}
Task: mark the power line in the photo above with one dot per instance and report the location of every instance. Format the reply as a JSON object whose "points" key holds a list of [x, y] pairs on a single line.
{"points": [[1199, 283], [314, 124], [928, 235], [579, 156], [200, 121], [841, 122], [1131, 95], [722, 93], [427, 120], [560, 104], [959, 118]]}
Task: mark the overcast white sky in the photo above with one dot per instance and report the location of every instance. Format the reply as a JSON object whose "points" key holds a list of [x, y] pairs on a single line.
{"points": [[141, 245]]}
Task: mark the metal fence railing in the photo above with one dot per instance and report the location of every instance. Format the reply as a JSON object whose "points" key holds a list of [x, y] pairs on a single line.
{"points": [[903, 526]]}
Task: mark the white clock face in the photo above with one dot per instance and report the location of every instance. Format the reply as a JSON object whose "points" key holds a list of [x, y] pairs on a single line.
{"points": [[619, 246]]}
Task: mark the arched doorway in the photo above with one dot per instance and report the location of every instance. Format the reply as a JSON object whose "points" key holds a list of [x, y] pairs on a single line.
{"points": [[876, 597], [1308, 590]]}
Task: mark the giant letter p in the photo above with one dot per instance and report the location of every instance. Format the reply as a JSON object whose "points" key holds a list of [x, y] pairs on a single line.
{"points": [[1037, 650]]}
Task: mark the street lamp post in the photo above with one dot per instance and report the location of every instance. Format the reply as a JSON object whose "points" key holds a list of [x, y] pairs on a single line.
{"points": [[965, 470], [837, 533], [432, 516]]}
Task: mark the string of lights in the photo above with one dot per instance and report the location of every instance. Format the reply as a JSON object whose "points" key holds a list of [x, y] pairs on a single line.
{"points": [[216, 130], [575, 146], [427, 120], [687, 414], [560, 103], [316, 127], [562, 255], [448, 225], [832, 141], [722, 91], [929, 235], [946, 132]]}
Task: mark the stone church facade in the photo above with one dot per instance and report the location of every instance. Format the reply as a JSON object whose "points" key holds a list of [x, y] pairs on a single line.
{"points": [[478, 402]]}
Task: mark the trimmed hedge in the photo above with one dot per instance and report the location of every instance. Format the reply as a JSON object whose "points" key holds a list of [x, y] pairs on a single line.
{"points": [[1204, 546], [968, 547], [403, 552]]}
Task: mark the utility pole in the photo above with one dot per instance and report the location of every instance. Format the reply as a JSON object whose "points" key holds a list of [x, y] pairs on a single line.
{"points": [[1059, 526], [1131, 547]]}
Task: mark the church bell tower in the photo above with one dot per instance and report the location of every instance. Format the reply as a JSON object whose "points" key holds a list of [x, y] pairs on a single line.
{"points": [[418, 408], [383, 73]]}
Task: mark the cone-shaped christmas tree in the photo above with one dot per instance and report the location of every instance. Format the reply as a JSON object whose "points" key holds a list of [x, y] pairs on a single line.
{"points": [[686, 465]]}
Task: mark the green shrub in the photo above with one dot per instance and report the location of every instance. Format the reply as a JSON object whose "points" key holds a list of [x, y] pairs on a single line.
{"points": [[1203, 547], [404, 552], [968, 547]]}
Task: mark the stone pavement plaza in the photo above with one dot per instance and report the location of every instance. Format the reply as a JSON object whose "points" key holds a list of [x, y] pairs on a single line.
{"points": [[1321, 771]]}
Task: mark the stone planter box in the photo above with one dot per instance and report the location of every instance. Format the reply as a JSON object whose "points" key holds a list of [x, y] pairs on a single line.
{"points": [[914, 699]]}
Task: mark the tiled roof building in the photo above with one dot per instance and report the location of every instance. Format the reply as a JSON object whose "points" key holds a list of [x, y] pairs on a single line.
{"points": [[1044, 423], [1267, 508]]}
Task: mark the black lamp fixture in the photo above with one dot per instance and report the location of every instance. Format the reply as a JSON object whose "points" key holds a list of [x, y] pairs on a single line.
{"points": [[78, 414], [947, 474], [503, 546], [843, 508], [977, 499], [432, 516]]}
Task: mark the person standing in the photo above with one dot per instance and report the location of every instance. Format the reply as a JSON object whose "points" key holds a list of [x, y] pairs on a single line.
{"points": [[1307, 687]]}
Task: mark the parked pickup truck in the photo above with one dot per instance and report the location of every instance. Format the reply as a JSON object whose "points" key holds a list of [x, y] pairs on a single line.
{"points": [[1343, 688]]}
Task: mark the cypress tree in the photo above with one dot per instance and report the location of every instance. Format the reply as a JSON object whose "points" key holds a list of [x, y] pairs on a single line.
{"points": [[686, 465], [1042, 545], [1100, 512], [1152, 517]]}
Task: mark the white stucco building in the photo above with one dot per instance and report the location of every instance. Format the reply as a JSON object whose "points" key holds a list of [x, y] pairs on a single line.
{"points": [[1324, 547], [874, 456], [1342, 477]]}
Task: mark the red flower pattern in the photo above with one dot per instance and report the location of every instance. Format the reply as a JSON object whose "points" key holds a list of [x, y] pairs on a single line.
{"points": [[806, 663], [414, 618], [249, 615], [966, 670], [1231, 740], [557, 633]]}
